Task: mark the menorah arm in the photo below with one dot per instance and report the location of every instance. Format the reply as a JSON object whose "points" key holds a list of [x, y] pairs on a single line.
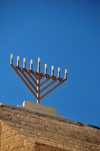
{"points": [[49, 85], [52, 89], [30, 76], [42, 77], [45, 81], [23, 81], [27, 79], [33, 73]]}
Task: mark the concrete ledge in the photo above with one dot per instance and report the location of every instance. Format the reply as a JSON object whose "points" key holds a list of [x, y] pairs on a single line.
{"points": [[40, 108]]}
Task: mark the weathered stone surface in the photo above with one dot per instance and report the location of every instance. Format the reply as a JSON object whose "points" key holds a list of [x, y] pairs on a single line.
{"points": [[23, 130], [16, 145]]}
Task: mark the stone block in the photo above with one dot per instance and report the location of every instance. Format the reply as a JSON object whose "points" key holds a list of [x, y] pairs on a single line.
{"points": [[40, 108], [17, 145]]}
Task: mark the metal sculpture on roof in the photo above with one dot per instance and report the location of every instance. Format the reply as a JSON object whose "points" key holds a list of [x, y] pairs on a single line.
{"points": [[28, 77]]}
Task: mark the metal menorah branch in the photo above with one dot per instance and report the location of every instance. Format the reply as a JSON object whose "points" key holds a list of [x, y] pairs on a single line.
{"points": [[28, 77]]}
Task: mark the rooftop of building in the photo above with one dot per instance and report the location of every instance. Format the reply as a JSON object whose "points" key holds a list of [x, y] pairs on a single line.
{"points": [[44, 110], [41, 124]]}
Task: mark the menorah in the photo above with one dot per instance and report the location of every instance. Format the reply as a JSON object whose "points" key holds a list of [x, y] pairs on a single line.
{"points": [[28, 77]]}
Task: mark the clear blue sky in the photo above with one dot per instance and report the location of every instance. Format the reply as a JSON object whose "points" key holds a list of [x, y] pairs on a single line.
{"points": [[63, 33]]}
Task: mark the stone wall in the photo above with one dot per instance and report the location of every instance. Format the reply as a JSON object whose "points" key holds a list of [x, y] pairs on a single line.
{"points": [[11, 140], [22, 129], [43, 147]]}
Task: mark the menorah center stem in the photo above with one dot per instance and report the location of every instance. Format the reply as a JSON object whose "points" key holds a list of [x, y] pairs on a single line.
{"points": [[38, 91]]}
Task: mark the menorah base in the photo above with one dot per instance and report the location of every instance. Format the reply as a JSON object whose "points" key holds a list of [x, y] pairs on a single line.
{"points": [[40, 108]]}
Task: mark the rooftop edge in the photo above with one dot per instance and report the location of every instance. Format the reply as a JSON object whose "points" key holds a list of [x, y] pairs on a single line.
{"points": [[56, 117]]}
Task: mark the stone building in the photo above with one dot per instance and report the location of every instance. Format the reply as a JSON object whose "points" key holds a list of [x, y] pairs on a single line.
{"points": [[35, 127]]}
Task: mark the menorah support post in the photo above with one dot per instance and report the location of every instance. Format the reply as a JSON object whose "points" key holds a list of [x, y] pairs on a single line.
{"points": [[38, 91], [38, 82]]}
